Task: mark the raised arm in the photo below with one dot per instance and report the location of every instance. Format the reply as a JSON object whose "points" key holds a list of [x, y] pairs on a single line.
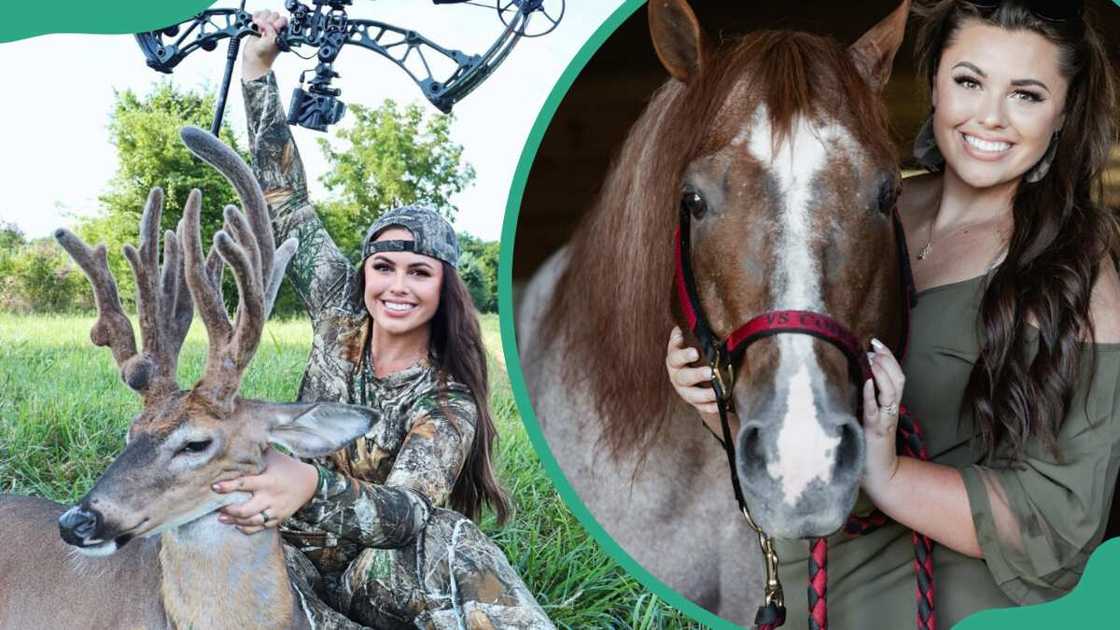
{"points": [[320, 272]]}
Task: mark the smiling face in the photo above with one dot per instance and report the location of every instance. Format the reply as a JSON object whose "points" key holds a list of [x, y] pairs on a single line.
{"points": [[401, 288], [998, 98]]}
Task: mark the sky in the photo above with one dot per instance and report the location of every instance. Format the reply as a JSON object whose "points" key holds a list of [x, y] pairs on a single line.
{"points": [[56, 157]]}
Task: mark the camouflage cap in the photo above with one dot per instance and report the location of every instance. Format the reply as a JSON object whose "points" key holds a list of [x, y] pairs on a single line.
{"points": [[433, 235]]}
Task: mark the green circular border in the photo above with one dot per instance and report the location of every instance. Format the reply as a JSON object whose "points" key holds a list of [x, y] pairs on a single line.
{"points": [[513, 360], [1084, 607]]}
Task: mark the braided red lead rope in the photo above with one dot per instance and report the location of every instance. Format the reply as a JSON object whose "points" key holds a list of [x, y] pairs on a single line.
{"points": [[910, 443], [818, 584]]}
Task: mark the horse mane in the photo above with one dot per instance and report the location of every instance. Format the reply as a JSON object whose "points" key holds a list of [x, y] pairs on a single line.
{"points": [[614, 304]]}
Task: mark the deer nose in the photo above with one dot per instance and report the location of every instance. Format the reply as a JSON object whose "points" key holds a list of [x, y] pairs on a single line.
{"points": [[77, 525]]}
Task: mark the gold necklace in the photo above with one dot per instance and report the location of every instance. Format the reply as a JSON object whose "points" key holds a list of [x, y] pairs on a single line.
{"points": [[929, 237], [929, 240], [922, 255]]}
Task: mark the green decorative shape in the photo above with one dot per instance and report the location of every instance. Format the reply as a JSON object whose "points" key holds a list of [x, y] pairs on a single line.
{"points": [[1085, 606], [28, 19]]}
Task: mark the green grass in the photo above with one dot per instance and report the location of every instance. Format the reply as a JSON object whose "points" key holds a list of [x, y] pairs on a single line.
{"points": [[64, 412]]}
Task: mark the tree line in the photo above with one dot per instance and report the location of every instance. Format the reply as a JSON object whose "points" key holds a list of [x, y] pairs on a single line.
{"points": [[389, 156]]}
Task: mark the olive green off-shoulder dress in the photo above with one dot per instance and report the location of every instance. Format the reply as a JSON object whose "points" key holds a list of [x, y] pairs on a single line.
{"points": [[1037, 522]]}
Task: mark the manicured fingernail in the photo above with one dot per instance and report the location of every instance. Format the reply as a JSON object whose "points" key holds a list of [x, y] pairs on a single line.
{"points": [[216, 487], [878, 345], [693, 354], [870, 358]]}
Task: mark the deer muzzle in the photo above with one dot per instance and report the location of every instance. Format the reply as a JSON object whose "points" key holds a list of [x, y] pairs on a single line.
{"points": [[79, 526]]}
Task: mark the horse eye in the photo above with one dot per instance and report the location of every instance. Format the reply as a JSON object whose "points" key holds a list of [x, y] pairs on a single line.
{"points": [[888, 195], [693, 203]]}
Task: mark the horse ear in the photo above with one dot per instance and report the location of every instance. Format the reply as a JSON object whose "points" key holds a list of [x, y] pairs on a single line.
{"points": [[677, 38], [874, 53]]}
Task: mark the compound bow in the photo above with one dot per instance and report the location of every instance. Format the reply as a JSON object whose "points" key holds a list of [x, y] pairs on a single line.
{"points": [[324, 25]]}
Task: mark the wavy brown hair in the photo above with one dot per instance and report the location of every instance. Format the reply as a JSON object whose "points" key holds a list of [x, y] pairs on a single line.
{"points": [[456, 344], [1062, 234]]}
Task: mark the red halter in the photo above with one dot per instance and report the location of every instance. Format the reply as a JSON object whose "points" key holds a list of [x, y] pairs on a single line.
{"points": [[721, 356]]}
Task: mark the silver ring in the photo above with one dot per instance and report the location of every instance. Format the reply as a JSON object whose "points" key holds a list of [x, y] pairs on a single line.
{"points": [[891, 409], [264, 516]]}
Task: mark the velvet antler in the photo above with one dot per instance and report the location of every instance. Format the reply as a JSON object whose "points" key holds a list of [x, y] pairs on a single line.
{"points": [[163, 304], [245, 244]]}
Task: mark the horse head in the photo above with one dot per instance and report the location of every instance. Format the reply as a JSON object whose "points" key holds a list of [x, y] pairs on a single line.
{"points": [[785, 177]]}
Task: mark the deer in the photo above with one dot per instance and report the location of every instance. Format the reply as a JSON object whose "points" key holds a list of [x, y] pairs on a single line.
{"points": [[144, 548]]}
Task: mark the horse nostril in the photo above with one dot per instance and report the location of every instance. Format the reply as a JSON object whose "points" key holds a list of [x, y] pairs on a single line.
{"points": [[752, 452], [848, 453], [76, 525]]}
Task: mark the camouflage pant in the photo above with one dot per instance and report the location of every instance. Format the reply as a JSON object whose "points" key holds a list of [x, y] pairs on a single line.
{"points": [[412, 587]]}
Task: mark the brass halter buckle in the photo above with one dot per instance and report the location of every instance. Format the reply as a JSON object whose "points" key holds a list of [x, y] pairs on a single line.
{"points": [[723, 377], [773, 591]]}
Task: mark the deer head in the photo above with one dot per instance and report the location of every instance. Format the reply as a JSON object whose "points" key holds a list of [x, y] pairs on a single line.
{"points": [[183, 441]]}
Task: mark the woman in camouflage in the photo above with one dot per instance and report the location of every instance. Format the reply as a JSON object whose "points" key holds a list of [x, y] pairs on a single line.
{"points": [[399, 335]]}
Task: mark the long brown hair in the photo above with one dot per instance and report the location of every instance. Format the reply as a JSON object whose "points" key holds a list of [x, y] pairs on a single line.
{"points": [[612, 303], [456, 343], [1061, 235]]}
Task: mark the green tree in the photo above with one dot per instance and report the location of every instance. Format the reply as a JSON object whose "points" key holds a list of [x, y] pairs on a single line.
{"points": [[11, 237], [478, 267], [145, 131], [389, 157], [38, 277], [11, 243]]}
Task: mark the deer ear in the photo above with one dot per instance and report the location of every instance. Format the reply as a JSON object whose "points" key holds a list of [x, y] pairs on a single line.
{"points": [[677, 38], [874, 53], [314, 429]]}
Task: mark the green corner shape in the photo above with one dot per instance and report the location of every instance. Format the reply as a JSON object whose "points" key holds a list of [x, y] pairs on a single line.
{"points": [[28, 19], [1086, 606]]}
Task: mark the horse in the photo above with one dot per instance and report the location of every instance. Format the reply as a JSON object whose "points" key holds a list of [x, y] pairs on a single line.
{"points": [[776, 148]]}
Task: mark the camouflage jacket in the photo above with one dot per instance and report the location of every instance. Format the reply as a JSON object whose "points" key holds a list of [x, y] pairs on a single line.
{"points": [[378, 492]]}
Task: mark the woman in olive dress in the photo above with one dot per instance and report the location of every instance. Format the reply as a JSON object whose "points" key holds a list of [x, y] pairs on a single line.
{"points": [[1014, 357]]}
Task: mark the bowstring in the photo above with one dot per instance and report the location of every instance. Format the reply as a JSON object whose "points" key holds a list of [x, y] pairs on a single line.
{"points": [[492, 7]]}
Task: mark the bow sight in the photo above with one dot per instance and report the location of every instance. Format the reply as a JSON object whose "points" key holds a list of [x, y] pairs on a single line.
{"points": [[325, 26]]}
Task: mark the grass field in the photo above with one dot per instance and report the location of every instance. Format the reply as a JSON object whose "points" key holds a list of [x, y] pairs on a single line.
{"points": [[64, 412]]}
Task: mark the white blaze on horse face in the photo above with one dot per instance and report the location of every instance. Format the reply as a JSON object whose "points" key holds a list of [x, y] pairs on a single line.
{"points": [[805, 451]]}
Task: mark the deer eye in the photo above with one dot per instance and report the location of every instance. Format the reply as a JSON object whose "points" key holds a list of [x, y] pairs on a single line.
{"points": [[693, 203], [195, 447]]}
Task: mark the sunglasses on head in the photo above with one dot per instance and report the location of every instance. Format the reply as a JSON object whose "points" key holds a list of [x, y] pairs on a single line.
{"points": [[1052, 10]]}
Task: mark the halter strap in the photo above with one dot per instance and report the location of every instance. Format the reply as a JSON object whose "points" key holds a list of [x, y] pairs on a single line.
{"points": [[722, 354]]}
